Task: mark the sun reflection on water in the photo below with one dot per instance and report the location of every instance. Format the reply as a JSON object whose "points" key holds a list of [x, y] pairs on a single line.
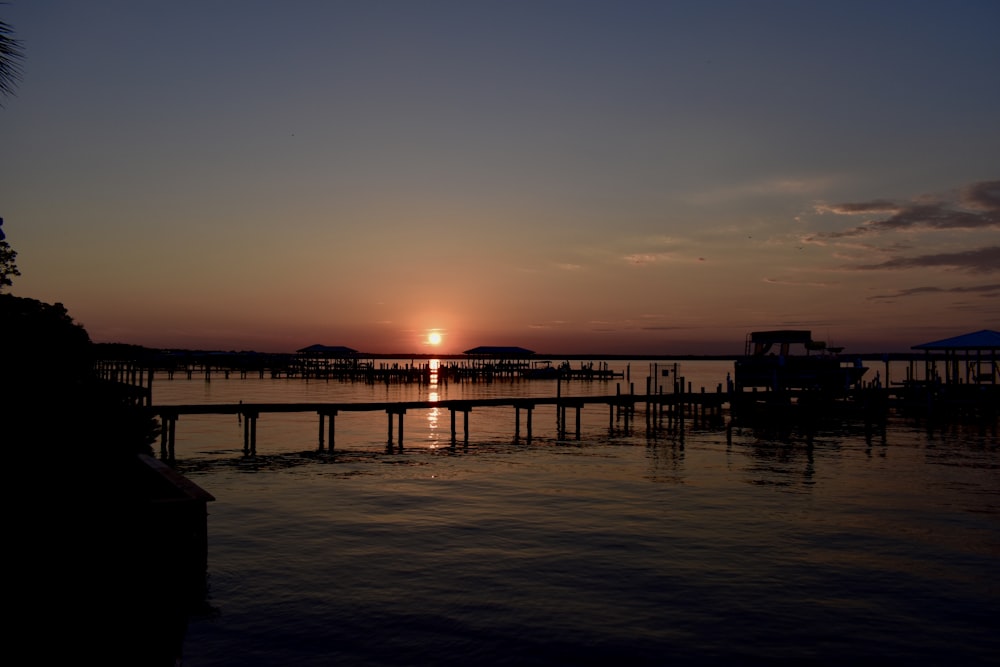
{"points": [[432, 396]]}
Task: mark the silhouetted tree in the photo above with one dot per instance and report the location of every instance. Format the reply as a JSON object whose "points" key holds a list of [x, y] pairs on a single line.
{"points": [[10, 61], [10, 74], [78, 491], [7, 256], [50, 397]]}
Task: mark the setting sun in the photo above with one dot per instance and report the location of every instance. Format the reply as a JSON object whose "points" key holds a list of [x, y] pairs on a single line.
{"points": [[434, 338]]}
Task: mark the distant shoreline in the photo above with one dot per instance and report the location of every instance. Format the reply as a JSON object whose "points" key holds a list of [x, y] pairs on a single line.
{"points": [[117, 350], [539, 356]]}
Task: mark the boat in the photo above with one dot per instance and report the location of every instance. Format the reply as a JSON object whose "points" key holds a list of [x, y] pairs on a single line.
{"points": [[789, 359]]}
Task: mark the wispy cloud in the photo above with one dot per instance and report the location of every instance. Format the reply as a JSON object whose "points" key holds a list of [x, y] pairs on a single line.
{"points": [[660, 249], [989, 291], [982, 260], [643, 258], [554, 324], [860, 208], [976, 206]]}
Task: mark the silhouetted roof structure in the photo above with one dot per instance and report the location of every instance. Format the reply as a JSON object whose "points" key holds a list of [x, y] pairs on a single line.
{"points": [[978, 340], [495, 351], [329, 350]]}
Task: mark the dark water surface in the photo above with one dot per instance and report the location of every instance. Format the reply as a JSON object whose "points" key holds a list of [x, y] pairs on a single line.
{"points": [[614, 549]]}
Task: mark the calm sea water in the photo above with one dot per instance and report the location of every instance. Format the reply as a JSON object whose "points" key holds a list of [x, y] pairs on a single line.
{"points": [[612, 549]]}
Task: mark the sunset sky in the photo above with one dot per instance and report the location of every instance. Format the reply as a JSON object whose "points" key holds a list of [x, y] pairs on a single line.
{"points": [[569, 176]]}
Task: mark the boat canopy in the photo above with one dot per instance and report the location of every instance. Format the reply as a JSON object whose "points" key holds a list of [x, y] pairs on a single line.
{"points": [[761, 342]]}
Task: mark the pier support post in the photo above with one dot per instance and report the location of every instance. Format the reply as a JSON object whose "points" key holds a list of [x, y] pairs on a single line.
{"points": [[250, 433], [390, 412], [322, 418], [649, 407], [164, 433], [167, 436], [528, 407], [253, 435], [649, 417], [173, 436], [333, 416], [701, 415]]}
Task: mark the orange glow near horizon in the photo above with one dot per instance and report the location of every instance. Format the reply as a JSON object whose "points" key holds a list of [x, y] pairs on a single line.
{"points": [[418, 226]]}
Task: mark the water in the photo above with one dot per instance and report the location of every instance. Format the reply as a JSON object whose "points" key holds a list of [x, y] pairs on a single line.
{"points": [[612, 549]]}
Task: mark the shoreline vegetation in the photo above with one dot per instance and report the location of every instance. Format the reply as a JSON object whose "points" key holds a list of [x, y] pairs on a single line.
{"points": [[86, 523]]}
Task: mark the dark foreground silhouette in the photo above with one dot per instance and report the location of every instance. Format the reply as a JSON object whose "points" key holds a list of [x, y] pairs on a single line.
{"points": [[94, 578]]}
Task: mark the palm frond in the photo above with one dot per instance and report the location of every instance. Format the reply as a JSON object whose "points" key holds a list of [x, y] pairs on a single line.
{"points": [[11, 55]]}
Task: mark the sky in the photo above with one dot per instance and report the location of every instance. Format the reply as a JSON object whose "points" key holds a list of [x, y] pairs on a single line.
{"points": [[568, 176]]}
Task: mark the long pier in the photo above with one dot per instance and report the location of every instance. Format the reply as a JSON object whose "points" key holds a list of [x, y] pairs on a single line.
{"points": [[134, 380], [369, 370], [670, 412], [674, 408]]}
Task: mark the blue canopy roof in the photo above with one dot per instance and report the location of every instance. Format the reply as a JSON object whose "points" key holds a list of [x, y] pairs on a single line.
{"points": [[978, 340]]}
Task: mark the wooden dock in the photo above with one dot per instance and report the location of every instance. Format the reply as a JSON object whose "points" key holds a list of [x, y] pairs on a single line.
{"points": [[671, 412], [356, 369]]}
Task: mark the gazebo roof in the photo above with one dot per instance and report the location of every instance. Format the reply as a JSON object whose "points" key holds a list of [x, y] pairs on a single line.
{"points": [[495, 351], [978, 340]]}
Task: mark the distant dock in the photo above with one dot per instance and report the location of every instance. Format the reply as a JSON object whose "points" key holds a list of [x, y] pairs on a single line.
{"points": [[368, 370]]}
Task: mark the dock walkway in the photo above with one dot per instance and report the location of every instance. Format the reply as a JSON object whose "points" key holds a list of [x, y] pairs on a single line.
{"points": [[673, 408]]}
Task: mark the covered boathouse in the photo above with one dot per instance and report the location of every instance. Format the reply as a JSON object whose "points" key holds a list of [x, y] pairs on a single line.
{"points": [[325, 361], [970, 382], [499, 361], [970, 359]]}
